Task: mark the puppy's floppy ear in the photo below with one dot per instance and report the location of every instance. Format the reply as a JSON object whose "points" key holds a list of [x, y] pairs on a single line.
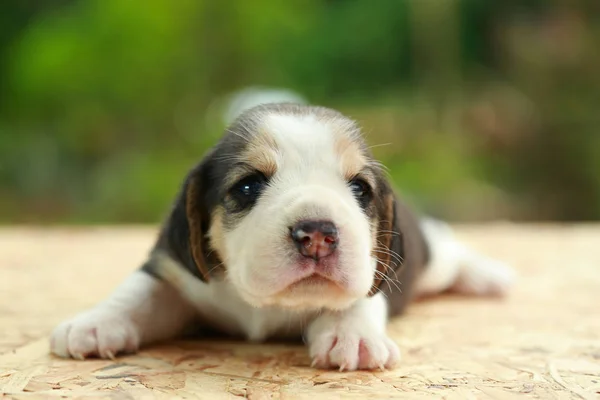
{"points": [[385, 234], [400, 248], [184, 236]]}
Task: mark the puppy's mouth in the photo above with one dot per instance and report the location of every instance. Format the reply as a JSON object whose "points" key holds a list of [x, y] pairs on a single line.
{"points": [[314, 283], [314, 279], [311, 292]]}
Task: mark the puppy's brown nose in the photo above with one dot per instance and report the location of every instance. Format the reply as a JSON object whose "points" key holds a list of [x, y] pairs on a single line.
{"points": [[315, 239]]}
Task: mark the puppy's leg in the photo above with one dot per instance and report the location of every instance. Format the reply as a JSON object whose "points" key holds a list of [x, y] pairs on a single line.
{"points": [[354, 338], [140, 311], [455, 266]]}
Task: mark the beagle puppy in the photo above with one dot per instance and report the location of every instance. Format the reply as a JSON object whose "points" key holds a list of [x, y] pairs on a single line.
{"points": [[287, 228]]}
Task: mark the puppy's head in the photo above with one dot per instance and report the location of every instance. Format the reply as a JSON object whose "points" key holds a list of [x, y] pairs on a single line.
{"points": [[291, 208]]}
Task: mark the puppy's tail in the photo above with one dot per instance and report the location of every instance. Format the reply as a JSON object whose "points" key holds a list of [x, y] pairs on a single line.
{"points": [[255, 96]]}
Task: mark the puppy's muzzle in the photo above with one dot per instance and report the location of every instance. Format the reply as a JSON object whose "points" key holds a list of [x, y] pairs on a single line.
{"points": [[315, 239]]}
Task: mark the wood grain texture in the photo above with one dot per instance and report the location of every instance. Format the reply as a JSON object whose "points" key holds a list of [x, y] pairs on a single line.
{"points": [[541, 342]]}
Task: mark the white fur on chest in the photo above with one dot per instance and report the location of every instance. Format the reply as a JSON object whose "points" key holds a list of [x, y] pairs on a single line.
{"points": [[219, 304]]}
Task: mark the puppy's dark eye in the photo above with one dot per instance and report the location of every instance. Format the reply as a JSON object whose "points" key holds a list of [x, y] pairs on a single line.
{"points": [[246, 191], [361, 190]]}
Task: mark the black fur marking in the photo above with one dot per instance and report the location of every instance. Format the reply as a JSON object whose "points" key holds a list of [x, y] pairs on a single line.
{"points": [[202, 191], [399, 235]]}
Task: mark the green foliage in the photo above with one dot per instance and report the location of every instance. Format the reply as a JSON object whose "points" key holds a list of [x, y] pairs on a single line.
{"points": [[489, 106]]}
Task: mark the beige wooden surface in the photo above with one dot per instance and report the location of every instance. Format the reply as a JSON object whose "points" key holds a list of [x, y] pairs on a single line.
{"points": [[542, 342]]}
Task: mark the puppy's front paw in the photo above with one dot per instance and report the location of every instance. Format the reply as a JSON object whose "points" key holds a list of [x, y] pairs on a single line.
{"points": [[95, 333], [350, 345]]}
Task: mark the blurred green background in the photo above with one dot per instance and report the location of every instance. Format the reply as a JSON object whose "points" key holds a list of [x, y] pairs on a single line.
{"points": [[481, 109]]}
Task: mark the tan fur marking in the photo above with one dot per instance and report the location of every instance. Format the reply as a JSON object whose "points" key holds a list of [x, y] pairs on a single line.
{"points": [[385, 238], [352, 159], [261, 153], [262, 158], [217, 234], [194, 221]]}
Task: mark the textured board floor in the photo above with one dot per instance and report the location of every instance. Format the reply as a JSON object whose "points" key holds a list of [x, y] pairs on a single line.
{"points": [[541, 342]]}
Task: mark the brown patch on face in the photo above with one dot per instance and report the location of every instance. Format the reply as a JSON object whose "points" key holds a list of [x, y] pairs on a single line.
{"points": [[350, 153], [195, 224], [383, 240], [261, 153]]}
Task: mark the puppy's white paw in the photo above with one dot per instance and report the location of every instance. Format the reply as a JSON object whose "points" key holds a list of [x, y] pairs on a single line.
{"points": [[481, 275], [350, 345], [95, 333]]}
